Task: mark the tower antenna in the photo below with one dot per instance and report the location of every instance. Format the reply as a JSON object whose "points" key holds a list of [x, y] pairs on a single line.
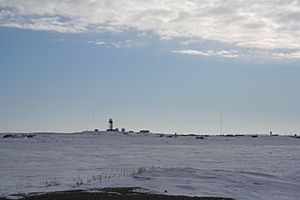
{"points": [[221, 124]]}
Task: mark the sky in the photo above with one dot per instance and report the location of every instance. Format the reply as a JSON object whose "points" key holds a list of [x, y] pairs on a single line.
{"points": [[168, 66]]}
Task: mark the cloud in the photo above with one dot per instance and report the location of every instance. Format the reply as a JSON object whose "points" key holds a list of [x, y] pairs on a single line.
{"points": [[259, 24], [99, 42], [222, 53], [113, 43], [240, 54], [291, 55]]}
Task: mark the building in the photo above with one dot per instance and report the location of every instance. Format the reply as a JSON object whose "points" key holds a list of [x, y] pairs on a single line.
{"points": [[111, 126], [144, 131]]}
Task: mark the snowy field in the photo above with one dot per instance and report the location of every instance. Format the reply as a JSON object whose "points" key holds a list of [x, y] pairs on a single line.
{"points": [[243, 168]]}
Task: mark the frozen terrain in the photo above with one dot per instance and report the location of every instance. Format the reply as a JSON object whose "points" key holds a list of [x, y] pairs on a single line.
{"points": [[245, 167]]}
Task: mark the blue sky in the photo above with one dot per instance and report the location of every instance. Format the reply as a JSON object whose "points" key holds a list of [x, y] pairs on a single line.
{"points": [[65, 70]]}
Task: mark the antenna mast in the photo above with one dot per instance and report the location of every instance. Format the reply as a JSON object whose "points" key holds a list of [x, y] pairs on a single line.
{"points": [[221, 124]]}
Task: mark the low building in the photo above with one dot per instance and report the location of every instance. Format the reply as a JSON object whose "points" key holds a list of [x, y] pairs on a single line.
{"points": [[144, 131]]}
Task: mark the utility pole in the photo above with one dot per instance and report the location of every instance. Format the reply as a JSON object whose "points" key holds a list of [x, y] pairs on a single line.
{"points": [[221, 124]]}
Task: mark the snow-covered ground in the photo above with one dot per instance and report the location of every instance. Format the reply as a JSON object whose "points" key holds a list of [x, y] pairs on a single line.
{"points": [[239, 167]]}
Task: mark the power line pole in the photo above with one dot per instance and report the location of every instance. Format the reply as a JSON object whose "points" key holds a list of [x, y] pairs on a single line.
{"points": [[221, 124]]}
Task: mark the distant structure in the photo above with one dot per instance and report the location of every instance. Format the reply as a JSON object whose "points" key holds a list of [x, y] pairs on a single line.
{"points": [[111, 126], [221, 124], [144, 131], [272, 134]]}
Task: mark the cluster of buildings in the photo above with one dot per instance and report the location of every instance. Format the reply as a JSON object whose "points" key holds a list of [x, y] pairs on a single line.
{"points": [[112, 129]]}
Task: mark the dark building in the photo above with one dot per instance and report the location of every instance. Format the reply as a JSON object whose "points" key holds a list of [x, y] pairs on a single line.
{"points": [[111, 126]]}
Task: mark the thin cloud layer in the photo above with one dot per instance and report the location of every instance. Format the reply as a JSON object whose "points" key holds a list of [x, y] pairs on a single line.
{"points": [[223, 53], [259, 24], [240, 54]]}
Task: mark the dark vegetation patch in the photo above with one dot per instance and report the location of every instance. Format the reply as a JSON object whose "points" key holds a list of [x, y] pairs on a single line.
{"points": [[111, 194]]}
